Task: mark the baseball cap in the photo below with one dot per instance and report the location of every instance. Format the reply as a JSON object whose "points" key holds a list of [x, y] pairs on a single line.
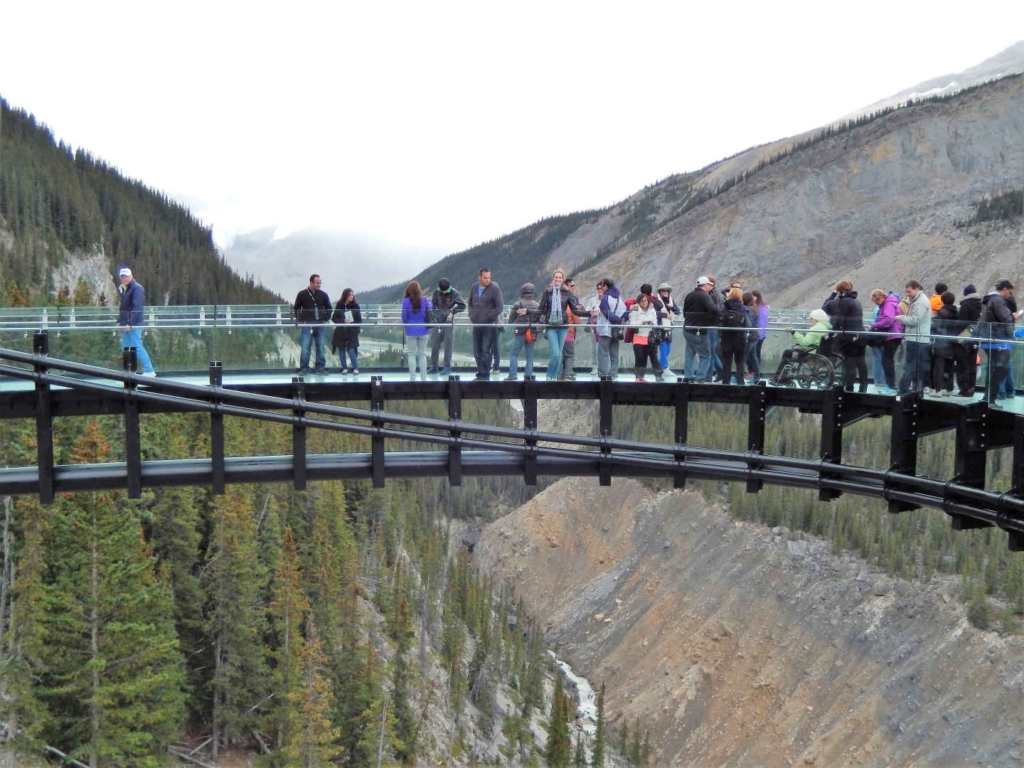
{"points": [[124, 272], [703, 280]]}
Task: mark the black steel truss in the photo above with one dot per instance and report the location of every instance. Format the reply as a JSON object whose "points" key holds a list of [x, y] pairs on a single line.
{"points": [[471, 449]]}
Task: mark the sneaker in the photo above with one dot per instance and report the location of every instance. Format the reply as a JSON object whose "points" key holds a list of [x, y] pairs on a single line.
{"points": [[432, 369], [944, 393], [890, 391], [510, 378], [668, 372], [150, 374], [343, 371], [355, 371], [641, 381], [320, 372], [305, 371]]}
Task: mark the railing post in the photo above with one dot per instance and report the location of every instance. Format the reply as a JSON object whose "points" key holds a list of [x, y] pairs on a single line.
{"points": [[217, 430], [903, 444], [756, 410], [454, 419], [604, 389], [681, 395], [44, 421], [970, 456], [831, 438], [132, 440], [1017, 489], [298, 435], [377, 439], [530, 388]]}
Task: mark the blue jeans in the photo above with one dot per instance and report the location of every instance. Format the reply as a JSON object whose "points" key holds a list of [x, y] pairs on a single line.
{"points": [[306, 337], [518, 342], [877, 371], [697, 346], [348, 354], [752, 360], [485, 342], [556, 338], [917, 366], [716, 361], [133, 338]]}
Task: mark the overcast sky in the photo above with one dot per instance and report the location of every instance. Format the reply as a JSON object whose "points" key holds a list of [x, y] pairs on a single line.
{"points": [[443, 124]]}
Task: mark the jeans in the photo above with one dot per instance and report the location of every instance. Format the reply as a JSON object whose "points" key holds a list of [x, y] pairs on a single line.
{"points": [[485, 341], [556, 338], [752, 360], [133, 338], [518, 342], [697, 346], [607, 356], [349, 354], [916, 367], [439, 336], [306, 337], [877, 368], [716, 361]]}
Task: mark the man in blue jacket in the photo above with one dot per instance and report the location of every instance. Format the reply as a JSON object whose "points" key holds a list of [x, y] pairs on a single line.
{"points": [[130, 318]]}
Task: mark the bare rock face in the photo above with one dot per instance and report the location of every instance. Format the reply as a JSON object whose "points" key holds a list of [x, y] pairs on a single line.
{"points": [[878, 202], [735, 645]]}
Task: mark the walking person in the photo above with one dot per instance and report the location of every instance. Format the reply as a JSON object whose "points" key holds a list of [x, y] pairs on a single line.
{"points": [[522, 315], [415, 307], [699, 314], [345, 341], [607, 317], [312, 310], [917, 331], [643, 318], [131, 318], [848, 320], [554, 307], [887, 307], [485, 306], [448, 302]]}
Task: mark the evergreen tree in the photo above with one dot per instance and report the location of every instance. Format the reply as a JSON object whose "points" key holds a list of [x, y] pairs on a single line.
{"points": [[597, 758], [287, 611], [312, 739], [558, 748]]}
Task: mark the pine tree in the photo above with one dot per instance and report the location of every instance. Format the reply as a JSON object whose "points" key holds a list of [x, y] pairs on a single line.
{"points": [[312, 739], [558, 748], [597, 758], [580, 757], [286, 611]]}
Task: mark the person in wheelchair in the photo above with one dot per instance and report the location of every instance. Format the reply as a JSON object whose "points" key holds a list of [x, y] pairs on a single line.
{"points": [[815, 339]]}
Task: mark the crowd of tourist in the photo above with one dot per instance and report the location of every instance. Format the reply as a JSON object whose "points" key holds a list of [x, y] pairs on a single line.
{"points": [[723, 332]]}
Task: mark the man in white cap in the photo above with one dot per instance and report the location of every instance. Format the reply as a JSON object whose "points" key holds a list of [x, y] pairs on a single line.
{"points": [[130, 318], [700, 315]]}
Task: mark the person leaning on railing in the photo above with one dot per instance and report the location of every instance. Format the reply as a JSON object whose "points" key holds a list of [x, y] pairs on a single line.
{"points": [[448, 302], [996, 328]]}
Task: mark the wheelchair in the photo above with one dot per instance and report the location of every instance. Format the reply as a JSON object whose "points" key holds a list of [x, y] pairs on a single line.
{"points": [[810, 370]]}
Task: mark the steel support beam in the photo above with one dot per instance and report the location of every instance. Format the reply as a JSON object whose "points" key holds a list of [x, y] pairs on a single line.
{"points": [[757, 409], [970, 456], [44, 420], [217, 430], [831, 437], [903, 443], [132, 438], [377, 439], [682, 412], [299, 477], [604, 393], [530, 388], [454, 419]]}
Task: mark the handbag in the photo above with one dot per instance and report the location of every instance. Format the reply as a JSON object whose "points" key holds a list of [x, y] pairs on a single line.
{"points": [[529, 336], [639, 340]]}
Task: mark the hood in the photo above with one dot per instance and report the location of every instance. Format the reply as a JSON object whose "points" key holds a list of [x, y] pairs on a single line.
{"points": [[970, 297], [526, 292], [613, 292]]}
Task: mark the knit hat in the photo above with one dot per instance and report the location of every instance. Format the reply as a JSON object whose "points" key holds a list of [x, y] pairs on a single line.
{"points": [[969, 289], [819, 315]]}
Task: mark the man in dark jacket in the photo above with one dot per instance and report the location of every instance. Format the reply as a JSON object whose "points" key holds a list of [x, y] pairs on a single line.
{"points": [[447, 304], [699, 314], [996, 325], [312, 310], [965, 353], [485, 306], [130, 317]]}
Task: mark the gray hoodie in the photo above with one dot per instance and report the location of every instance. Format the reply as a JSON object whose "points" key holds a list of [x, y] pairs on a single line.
{"points": [[917, 323], [527, 302]]}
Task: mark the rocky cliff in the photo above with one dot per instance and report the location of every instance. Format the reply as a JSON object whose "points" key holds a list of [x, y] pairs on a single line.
{"points": [[876, 203], [739, 645]]}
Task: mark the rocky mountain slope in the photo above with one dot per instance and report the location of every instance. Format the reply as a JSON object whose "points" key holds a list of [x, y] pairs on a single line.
{"points": [[739, 645]]}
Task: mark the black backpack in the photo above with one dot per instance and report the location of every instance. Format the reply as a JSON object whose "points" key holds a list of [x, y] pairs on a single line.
{"points": [[734, 318]]}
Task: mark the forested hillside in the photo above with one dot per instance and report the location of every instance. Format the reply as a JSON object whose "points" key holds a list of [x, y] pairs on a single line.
{"points": [[57, 204]]}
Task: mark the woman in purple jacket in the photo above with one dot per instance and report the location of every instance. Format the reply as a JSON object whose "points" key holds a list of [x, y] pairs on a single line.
{"points": [[414, 315], [888, 304]]}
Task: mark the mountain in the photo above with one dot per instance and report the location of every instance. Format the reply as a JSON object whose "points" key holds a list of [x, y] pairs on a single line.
{"points": [[876, 198], [343, 259]]}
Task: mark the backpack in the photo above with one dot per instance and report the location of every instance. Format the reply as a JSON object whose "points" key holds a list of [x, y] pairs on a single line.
{"points": [[615, 319], [734, 318]]}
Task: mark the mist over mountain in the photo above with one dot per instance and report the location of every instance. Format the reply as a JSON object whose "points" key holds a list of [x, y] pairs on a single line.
{"points": [[344, 259]]}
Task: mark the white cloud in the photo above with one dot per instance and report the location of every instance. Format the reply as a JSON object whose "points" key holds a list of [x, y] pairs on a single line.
{"points": [[446, 124]]}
